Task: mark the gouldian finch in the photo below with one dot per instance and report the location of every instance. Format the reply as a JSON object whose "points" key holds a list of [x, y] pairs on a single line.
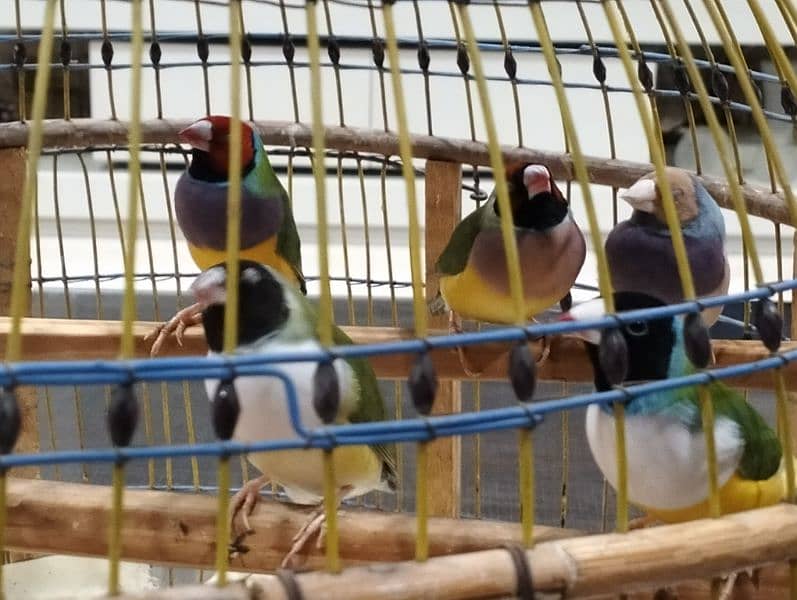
{"points": [[666, 456], [274, 318], [646, 238], [474, 278], [268, 231]]}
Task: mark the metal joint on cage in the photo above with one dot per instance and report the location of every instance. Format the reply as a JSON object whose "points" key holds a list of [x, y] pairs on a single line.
{"points": [[226, 408], [288, 49], [769, 323], [599, 67], [155, 54], [613, 354], [246, 49], [645, 74], [333, 50], [10, 420], [378, 52], [19, 54], [106, 51], [682, 83], [123, 413], [697, 341], [463, 60], [522, 371], [510, 64], [423, 383], [65, 53], [423, 56], [326, 391], [202, 49]]}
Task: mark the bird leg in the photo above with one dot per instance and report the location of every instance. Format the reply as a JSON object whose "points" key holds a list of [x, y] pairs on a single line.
{"points": [[546, 348], [243, 503], [455, 327], [316, 523], [641, 522], [191, 315]]}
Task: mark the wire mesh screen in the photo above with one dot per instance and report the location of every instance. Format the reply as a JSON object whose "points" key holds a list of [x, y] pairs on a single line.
{"points": [[78, 230]]}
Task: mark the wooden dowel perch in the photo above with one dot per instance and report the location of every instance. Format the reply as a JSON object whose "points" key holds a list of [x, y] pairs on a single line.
{"points": [[179, 529], [772, 583], [74, 339], [579, 567], [82, 133]]}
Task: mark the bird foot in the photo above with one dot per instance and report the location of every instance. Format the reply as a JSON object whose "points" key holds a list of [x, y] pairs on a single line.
{"points": [[641, 522], [455, 327], [243, 504], [316, 523], [545, 351], [187, 317]]}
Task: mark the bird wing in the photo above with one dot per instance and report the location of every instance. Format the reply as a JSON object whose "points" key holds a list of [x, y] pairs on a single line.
{"points": [[762, 450], [288, 245], [455, 255], [370, 407]]}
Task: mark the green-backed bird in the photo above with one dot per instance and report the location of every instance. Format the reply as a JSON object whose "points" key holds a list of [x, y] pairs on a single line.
{"points": [[474, 277], [640, 252], [665, 441], [268, 231], [275, 318]]}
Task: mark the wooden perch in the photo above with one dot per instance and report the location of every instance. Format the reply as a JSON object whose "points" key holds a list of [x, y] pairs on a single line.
{"points": [[82, 133], [179, 529], [599, 566], [579, 567], [74, 339], [773, 583]]}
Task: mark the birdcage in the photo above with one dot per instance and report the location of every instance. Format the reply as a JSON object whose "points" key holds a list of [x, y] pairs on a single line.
{"points": [[386, 122]]}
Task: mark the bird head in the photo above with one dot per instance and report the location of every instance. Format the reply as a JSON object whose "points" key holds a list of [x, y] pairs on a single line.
{"points": [[645, 196], [209, 139], [536, 201], [650, 344], [262, 302]]}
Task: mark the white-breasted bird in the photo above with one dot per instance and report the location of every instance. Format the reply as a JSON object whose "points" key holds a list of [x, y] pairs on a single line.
{"points": [[274, 317]]}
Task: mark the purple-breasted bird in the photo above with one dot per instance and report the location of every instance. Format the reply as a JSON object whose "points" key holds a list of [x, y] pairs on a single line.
{"points": [[268, 230]]}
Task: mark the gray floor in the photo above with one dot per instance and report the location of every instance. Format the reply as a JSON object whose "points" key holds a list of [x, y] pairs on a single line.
{"points": [[497, 467]]}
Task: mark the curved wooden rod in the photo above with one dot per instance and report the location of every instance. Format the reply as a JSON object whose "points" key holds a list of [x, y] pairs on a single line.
{"points": [[83, 133]]}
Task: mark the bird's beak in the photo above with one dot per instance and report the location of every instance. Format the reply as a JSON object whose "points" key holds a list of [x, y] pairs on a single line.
{"points": [[641, 196], [210, 287], [536, 179], [591, 309], [198, 135]]}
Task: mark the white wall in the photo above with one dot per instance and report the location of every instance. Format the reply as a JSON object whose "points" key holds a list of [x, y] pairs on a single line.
{"points": [[182, 93]]}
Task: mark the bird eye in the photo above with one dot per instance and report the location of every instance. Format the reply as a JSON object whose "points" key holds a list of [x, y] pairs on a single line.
{"points": [[637, 329]]}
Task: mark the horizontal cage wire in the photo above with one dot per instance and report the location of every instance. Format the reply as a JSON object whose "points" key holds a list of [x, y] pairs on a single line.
{"points": [[561, 91]]}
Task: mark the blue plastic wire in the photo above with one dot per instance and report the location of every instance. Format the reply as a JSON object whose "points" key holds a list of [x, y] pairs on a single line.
{"points": [[220, 367], [419, 429]]}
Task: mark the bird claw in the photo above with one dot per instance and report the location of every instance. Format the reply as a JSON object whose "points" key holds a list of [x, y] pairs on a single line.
{"points": [[455, 327], [316, 523], [545, 352], [243, 504], [187, 317], [641, 522]]}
